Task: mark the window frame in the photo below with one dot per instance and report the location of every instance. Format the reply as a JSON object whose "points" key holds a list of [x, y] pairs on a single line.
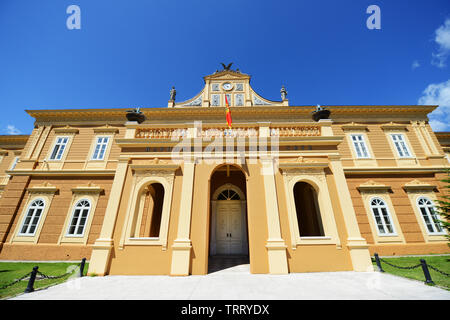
{"points": [[27, 212], [317, 213], [363, 142], [433, 225], [91, 193], [370, 190], [55, 144], [74, 208], [391, 220], [404, 147], [163, 174], [316, 178], [105, 146], [416, 189], [228, 196]]}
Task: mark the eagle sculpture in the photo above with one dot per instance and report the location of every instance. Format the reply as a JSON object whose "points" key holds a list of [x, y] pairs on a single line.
{"points": [[226, 67]]}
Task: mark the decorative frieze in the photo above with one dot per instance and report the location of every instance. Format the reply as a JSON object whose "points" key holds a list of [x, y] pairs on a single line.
{"points": [[298, 131], [167, 133], [225, 132], [180, 133], [157, 168], [161, 133]]}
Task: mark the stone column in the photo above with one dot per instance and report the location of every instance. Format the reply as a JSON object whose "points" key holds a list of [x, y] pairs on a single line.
{"points": [[181, 249], [275, 244], [102, 247], [357, 245]]}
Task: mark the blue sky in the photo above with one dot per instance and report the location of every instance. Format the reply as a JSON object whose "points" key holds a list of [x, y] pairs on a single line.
{"points": [[130, 53]]}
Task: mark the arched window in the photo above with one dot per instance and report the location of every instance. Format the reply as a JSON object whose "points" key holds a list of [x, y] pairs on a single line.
{"points": [[228, 194], [32, 217], [429, 215], [79, 218], [308, 212], [150, 211], [382, 218]]}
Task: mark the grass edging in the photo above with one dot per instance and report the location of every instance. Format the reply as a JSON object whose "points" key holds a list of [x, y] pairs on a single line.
{"points": [[10, 271], [441, 262]]}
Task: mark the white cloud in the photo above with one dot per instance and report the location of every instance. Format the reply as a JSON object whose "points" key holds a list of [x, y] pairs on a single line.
{"points": [[415, 64], [438, 94], [10, 129], [442, 38], [438, 125]]}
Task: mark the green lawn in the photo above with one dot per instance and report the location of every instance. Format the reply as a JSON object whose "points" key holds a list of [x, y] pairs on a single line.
{"points": [[11, 271], [440, 262]]}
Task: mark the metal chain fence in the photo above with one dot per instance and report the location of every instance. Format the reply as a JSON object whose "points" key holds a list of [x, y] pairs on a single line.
{"points": [[44, 276], [399, 267], [437, 270], [15, 281], [422, 264], [32, 276]]}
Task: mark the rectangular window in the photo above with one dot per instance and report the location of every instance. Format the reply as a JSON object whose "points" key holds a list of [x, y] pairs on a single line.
{"points": [[215, 87], [360, 146], [215, 100], [400, 145], [239, 98], [100, 148], [58, 149]]}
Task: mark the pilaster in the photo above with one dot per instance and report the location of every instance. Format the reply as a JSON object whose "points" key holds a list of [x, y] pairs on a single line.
{"points": [[357, 245], [275, 245], [181, 249], [326, 129], [102, 247]]}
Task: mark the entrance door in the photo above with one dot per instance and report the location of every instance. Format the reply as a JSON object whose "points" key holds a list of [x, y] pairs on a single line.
{"points": [[229, 236]]}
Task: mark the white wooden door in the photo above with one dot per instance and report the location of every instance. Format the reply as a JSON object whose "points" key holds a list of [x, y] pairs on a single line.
{"points": [[229, 235]]}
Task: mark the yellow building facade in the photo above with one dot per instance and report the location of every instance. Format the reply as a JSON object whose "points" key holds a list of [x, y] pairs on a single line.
{"points": [[168, 194]]}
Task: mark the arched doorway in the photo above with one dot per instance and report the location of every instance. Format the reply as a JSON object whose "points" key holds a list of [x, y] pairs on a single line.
{"points": [[228, 229], [308, 211]]}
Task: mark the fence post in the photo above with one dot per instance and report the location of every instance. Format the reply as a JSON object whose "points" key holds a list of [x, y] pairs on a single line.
{"points": [[83, 261], [426, 272], [31, 281], [377, 259]]}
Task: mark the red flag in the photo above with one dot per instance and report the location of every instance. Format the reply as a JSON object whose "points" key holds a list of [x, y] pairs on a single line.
{"points": [[229, 122]]}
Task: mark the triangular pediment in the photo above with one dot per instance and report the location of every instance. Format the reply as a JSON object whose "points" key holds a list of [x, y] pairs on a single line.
{"points": [[227, 75]]}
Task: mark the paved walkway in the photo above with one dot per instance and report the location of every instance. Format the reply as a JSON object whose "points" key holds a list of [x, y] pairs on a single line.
{"points": [[236, 283]]}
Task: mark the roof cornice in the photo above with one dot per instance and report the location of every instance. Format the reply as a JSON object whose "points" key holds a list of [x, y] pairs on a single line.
{"points": [[117, 115], [13, 141]]}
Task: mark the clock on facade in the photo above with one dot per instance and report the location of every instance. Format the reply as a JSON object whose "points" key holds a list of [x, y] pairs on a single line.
{"points": [[227, 86]]}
